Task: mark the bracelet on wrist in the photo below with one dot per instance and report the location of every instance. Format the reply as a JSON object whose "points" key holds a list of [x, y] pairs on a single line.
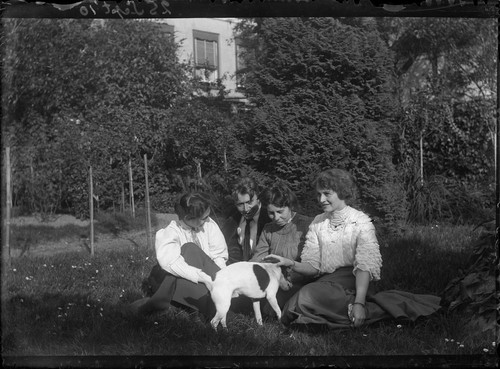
{"points": [[358, 303]]}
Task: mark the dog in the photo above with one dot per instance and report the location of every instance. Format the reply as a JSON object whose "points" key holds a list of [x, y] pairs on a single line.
{"points": [[255, 280]]}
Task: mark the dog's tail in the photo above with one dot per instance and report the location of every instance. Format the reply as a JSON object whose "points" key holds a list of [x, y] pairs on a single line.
{"points": [[206, 280], [209, 285]]}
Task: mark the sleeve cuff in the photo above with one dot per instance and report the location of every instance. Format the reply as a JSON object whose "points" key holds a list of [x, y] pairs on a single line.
{"points": [[220, 262]]}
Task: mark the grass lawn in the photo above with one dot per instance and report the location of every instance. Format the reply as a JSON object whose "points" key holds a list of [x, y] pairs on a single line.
{"points": [[73, 304]]}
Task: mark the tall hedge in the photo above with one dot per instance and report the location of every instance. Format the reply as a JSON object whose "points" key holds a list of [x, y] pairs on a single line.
{"points": [[323, 94]]}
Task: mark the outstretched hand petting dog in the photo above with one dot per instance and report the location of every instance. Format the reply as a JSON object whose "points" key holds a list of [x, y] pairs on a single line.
{"points": [[279, 260]]}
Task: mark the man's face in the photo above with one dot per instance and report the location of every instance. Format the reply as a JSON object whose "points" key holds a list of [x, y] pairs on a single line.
{"points": [[245, 204]]}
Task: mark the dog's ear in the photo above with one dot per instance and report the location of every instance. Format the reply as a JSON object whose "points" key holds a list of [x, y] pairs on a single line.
{"points": [[272, 260]]}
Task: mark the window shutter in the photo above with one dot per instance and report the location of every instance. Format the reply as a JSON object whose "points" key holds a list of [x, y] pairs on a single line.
{"points": [[206, 48]]}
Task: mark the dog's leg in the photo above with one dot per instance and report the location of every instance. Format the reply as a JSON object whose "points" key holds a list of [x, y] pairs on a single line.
{"points": [[274, 304], [216, 320], [256, 310], [222, 301]]}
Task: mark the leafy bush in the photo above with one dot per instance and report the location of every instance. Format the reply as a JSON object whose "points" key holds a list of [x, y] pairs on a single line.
{"points": [[474, 291], [441, 199], [84, 93]]}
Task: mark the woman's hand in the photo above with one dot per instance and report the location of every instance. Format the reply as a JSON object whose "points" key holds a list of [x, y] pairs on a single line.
{"points": [[357, 315], [281, 260]]}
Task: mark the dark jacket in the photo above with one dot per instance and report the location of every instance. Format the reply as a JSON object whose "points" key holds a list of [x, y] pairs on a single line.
{"points": [[230, 231]]}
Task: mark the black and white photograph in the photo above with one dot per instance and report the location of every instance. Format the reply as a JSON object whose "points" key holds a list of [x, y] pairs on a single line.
{"points": [[249, 184]]}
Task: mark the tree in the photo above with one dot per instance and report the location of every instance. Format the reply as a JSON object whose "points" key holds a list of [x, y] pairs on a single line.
{"points": [[202, 150], [447, 73], [322, 91], [98, 89]]}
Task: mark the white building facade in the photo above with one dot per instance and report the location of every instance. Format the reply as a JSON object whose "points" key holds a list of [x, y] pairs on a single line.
{"points": [[209, 45]]}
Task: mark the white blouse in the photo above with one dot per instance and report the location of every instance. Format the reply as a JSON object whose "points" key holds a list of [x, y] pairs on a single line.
{"points": [[343, 238], [170, 239]]}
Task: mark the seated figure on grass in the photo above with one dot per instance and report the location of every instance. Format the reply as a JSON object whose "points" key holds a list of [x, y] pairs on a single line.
{"points": [[243, 226], [342, 253], [284, 236], [190, 251]]}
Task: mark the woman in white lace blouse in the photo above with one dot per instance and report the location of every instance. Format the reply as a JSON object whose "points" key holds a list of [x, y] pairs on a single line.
{"points": [[342, 252]]}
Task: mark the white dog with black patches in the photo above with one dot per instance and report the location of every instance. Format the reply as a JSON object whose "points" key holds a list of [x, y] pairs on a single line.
{"points": [[255, 280]]}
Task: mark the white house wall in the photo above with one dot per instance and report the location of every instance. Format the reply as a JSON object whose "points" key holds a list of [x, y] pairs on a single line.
{"points": [[183, 33]]}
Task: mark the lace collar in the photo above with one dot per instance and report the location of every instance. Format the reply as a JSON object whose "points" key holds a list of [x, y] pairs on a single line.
{"points": [[339, 217]]}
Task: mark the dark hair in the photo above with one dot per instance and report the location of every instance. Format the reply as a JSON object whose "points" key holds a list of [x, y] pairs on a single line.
{"points": [[245, 186], [279, 195], [337, 180], [192, 205]]}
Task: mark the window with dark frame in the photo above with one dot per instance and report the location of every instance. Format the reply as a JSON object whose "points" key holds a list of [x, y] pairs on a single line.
{"points": [[206, 55]]}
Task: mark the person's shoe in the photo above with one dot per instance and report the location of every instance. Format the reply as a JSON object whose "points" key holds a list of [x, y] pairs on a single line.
{"points": [[135, 307]]}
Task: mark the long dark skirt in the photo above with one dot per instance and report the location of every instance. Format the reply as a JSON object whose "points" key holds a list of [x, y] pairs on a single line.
{"points": [[165, 288], [325, 301]]}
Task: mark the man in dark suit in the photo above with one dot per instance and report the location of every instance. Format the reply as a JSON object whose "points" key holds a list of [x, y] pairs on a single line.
{"points": [[245, 222]]}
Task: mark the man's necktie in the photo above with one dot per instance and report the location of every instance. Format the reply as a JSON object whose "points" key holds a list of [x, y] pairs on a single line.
{"points": [[246, 241]]}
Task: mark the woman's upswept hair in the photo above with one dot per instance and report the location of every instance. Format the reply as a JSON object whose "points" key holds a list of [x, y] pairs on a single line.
{"points": [[337, 180], [245, 186], [279, 195], [192, 205]]}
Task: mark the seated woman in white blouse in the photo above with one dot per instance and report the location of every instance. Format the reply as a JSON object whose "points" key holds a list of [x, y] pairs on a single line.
{"points": [[189, 252], [342, 251]]}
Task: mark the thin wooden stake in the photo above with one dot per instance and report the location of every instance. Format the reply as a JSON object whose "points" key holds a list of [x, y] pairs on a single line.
{"points": [[91, 200], [6, 261], [148, 207], [6, 246], [123, 198], [421, 160], [131, 187]]}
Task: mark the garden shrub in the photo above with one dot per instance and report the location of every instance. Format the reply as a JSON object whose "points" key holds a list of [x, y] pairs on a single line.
{"points": [[474, 290]]}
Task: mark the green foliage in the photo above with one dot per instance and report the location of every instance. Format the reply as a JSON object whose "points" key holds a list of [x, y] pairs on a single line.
{"points": [[200, 134], [458, 161], [322, 90], [97, 91], [352, 93], [474, 290], [446, 70]]}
